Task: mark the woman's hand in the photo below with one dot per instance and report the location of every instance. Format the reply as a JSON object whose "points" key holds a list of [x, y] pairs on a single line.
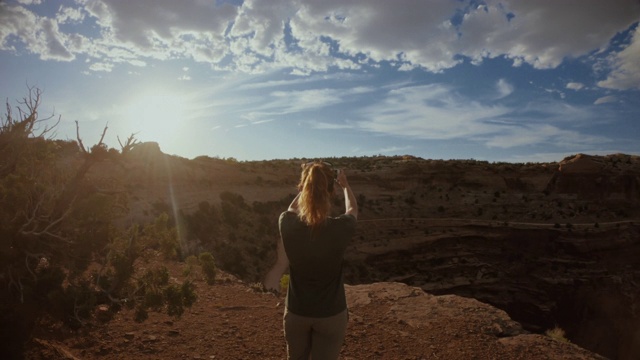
{"points": [[341, 179], [350, 204]]}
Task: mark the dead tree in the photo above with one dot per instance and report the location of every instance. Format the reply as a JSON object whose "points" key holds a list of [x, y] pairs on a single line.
{"points": [[36, 197], [128, 145]]}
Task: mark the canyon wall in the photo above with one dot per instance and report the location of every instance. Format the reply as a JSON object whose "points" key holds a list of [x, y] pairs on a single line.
{"points": [[549, 243], [584, 280]]}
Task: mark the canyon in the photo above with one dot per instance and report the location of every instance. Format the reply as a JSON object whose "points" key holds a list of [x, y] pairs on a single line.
{"points": [[551, 244]]}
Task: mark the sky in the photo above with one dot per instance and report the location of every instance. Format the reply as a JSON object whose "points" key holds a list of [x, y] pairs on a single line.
{"points": [[495, 80]]}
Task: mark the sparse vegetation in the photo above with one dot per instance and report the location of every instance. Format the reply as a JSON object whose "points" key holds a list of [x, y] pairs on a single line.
{"points": [[208, 267], [56, 220], [284, 283], [558, 334], [66, 224], [191, 265]]}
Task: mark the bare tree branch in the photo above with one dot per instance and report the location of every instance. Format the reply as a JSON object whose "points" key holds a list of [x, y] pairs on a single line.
{"points": [[80, 144], [128, 145], [104, 132]]}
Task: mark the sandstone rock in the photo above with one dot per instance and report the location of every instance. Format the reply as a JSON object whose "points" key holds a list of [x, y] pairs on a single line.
{"points": [[103, 314], [464, 319], [416, 308], [597, 177]]}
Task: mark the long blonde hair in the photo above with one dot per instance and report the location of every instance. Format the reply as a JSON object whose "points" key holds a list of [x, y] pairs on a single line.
{"points": [[316, 188]]}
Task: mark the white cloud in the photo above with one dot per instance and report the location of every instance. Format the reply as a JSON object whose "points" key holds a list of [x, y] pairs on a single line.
{"points": [[39, 35], [106, 67], [605, 99], [504, 88], [543, 134], [70, 15], [417, 32], [437, 112], [17, 22], [51, 45], [543, 33], [262, 24], [626, 67], [306, 35], [389, 150], [430, 112], [330, 126], [296, 101], [164, 29], [575, 86]]}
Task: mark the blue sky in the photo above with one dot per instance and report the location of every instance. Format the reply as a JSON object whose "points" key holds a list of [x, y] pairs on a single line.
{"points": [[490, 80]]}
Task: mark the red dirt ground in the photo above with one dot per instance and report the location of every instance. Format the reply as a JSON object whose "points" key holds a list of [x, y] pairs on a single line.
{"points": [[230, 320]]}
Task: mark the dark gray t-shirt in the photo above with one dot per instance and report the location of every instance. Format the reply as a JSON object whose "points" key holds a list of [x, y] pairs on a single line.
{"points": [[316, 287]]}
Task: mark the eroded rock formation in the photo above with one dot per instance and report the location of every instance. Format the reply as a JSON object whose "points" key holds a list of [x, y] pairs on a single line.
{"points": [[551, 244], [612, 177], [451, 327], [579, 279]]}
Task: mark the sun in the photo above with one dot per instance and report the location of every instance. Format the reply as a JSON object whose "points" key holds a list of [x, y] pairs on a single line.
{"points": [[157, 116]]}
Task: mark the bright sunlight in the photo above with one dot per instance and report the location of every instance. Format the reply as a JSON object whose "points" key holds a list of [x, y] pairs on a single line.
{"points": [[157, 116]]}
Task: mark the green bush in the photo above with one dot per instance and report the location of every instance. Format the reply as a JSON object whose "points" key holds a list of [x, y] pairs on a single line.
{"points": [[163, 235], [54, 224], [208, 267], [190, 264], [179, 297], [284, 283], [156, 292], [558, 334]]}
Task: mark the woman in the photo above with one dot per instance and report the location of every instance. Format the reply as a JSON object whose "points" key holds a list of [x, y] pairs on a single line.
{"points": [[312, 246]]}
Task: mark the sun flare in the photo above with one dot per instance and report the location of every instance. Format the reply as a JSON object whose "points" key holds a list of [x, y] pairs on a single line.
{"points": [[157, 116]]}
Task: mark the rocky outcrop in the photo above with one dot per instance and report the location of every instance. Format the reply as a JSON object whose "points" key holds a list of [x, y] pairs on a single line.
{"points": [[146, 150], [583, 279], [598, 177], [452, 327], [231, 320]]}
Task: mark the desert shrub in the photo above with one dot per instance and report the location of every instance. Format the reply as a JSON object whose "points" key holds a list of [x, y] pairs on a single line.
{"points": [[153, 292], [162, 235], [179, 297], [284, 283], [558, 334], [208, 267], [190, 265], [53, 221], [231, 214], [161, 207], [233, 198], [232, 258], [204, 224]]}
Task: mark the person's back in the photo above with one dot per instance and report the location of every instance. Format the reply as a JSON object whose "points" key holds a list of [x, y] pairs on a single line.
{"points": [[316, 288], [312, 246]]}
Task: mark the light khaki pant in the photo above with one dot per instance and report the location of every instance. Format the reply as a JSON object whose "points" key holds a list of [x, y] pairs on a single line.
{"points": [[314, 338]]}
